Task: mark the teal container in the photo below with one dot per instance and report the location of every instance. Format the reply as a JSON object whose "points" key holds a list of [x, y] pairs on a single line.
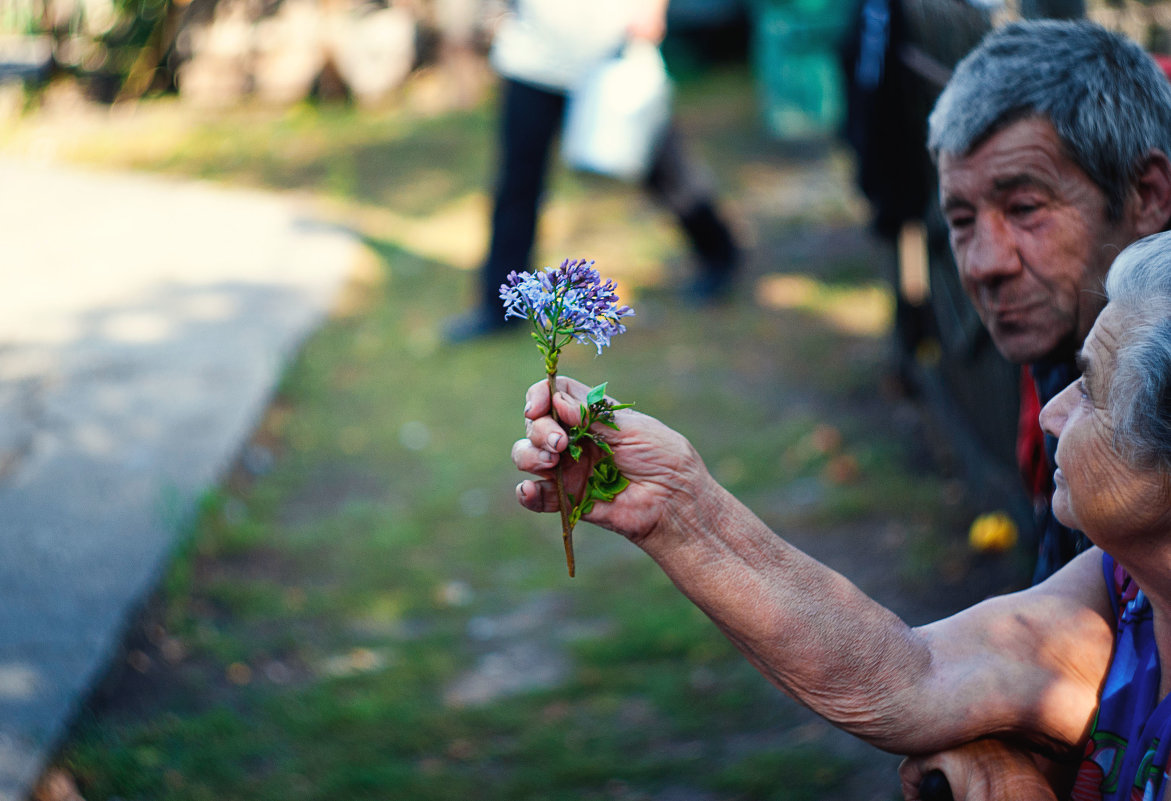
{"points": [[810, 12], [800, 85]]}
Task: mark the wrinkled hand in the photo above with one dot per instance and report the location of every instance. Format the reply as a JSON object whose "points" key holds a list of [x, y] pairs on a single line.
{"points": [[663, 469], [984, 770]]}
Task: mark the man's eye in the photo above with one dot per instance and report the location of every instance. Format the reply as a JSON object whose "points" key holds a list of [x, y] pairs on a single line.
{"points": [[1081, 389], [960, 222], [1023, 209]]}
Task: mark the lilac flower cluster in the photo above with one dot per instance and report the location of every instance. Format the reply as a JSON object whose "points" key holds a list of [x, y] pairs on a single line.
{"points": [[566, 301], [563, 304]]}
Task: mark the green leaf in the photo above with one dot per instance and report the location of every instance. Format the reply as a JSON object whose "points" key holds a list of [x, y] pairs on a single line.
{"points": [[574, 451], [597, 393], [606, 481], [609, 492]]}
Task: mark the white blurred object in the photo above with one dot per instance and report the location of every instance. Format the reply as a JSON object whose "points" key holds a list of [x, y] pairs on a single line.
{"points": [[615, 117], [374, 50]]}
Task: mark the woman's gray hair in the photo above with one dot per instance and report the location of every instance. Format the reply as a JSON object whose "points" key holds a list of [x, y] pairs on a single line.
{"points": [[1107, 99], [1139, 285]]}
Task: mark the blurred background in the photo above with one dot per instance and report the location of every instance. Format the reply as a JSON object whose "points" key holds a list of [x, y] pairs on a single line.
{"points": [[352, 605], [805, 59]]}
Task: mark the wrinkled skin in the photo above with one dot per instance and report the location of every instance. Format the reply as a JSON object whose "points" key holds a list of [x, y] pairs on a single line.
{"points": [[1032, 239], [999, 668], [984, 770], [1094, 486], [661, 464]]}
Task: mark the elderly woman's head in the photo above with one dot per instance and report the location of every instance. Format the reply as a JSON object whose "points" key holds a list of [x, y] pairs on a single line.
{"points": [[1114, 424], [1139, 286]]}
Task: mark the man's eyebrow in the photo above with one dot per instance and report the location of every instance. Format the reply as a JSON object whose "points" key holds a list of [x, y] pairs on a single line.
{"points": [[1008, 183], [1022, 180]]}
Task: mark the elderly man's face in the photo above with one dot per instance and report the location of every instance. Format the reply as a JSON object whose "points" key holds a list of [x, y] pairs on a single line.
{"points": [[1030, 237]]}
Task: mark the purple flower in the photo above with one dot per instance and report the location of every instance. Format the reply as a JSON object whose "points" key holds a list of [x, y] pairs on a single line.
{"points": [[569, 301]]}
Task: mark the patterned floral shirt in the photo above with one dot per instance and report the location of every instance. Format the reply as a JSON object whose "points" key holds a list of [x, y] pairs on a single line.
{"points": [[1126, 756]]}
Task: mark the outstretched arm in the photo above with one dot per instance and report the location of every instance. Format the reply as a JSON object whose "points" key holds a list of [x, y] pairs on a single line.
{"points": [[1028, 664]]}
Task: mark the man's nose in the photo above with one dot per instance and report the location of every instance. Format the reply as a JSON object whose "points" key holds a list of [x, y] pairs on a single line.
{"points": [[991, 254]]}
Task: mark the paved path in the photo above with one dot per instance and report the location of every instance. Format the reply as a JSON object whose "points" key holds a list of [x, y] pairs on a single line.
{"points": [[143, 324]]}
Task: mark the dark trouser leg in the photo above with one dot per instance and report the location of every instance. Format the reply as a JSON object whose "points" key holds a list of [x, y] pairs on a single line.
{"points": [[529, 120], [679, 186]]}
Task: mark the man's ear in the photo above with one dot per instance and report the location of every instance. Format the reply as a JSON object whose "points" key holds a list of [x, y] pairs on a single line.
{"points": [[1152, 194]]}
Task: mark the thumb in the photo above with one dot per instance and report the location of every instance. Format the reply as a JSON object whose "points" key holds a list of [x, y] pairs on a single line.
{"points": [[911, 772]]}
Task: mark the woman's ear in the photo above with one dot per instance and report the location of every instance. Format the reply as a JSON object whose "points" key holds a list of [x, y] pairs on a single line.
{"points": [[1152, 194]]}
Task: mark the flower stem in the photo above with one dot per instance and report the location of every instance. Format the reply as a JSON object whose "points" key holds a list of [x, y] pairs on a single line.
{"points": [[559, 480]]}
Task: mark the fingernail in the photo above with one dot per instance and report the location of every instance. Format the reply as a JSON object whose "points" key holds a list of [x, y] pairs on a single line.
{"points": [[528, 407], [554, 440], [546, 456]]}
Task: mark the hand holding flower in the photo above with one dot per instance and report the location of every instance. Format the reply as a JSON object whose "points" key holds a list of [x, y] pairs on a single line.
{"points": [[564, 304], [664, 472]]}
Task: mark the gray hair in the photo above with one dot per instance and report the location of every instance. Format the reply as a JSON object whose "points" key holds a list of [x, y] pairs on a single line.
{"points": [[1139, 282], [1107, 99]]}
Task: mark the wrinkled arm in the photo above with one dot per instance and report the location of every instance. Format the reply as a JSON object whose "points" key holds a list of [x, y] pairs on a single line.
{"points": [[1051, 647], [1027, 664]]}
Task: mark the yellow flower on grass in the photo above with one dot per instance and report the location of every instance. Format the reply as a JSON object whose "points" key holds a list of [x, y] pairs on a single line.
{"points": [[994, 531]]}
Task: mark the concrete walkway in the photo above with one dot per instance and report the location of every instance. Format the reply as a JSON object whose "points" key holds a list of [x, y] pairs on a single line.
{"points": [[143, 325]]}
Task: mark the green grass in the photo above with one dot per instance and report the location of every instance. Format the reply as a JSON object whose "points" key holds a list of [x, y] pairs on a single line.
{"points": [[307, 641]]}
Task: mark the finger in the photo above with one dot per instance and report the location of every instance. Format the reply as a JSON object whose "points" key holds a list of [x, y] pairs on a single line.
{"points": [[568, 408], [531, 459], [569, 413], [910, 775], [547, 435], [537, 400], [537, 396], [537, 496]]}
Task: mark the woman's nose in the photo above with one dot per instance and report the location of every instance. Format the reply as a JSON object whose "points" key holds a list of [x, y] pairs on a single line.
{"points": [[1056, 411]]}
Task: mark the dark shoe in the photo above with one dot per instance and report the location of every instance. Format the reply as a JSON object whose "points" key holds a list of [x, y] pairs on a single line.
{"points": [[477, 324], [716, 251]]}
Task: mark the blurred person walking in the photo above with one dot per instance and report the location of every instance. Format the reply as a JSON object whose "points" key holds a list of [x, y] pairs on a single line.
{"points": [[542, 50]]}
